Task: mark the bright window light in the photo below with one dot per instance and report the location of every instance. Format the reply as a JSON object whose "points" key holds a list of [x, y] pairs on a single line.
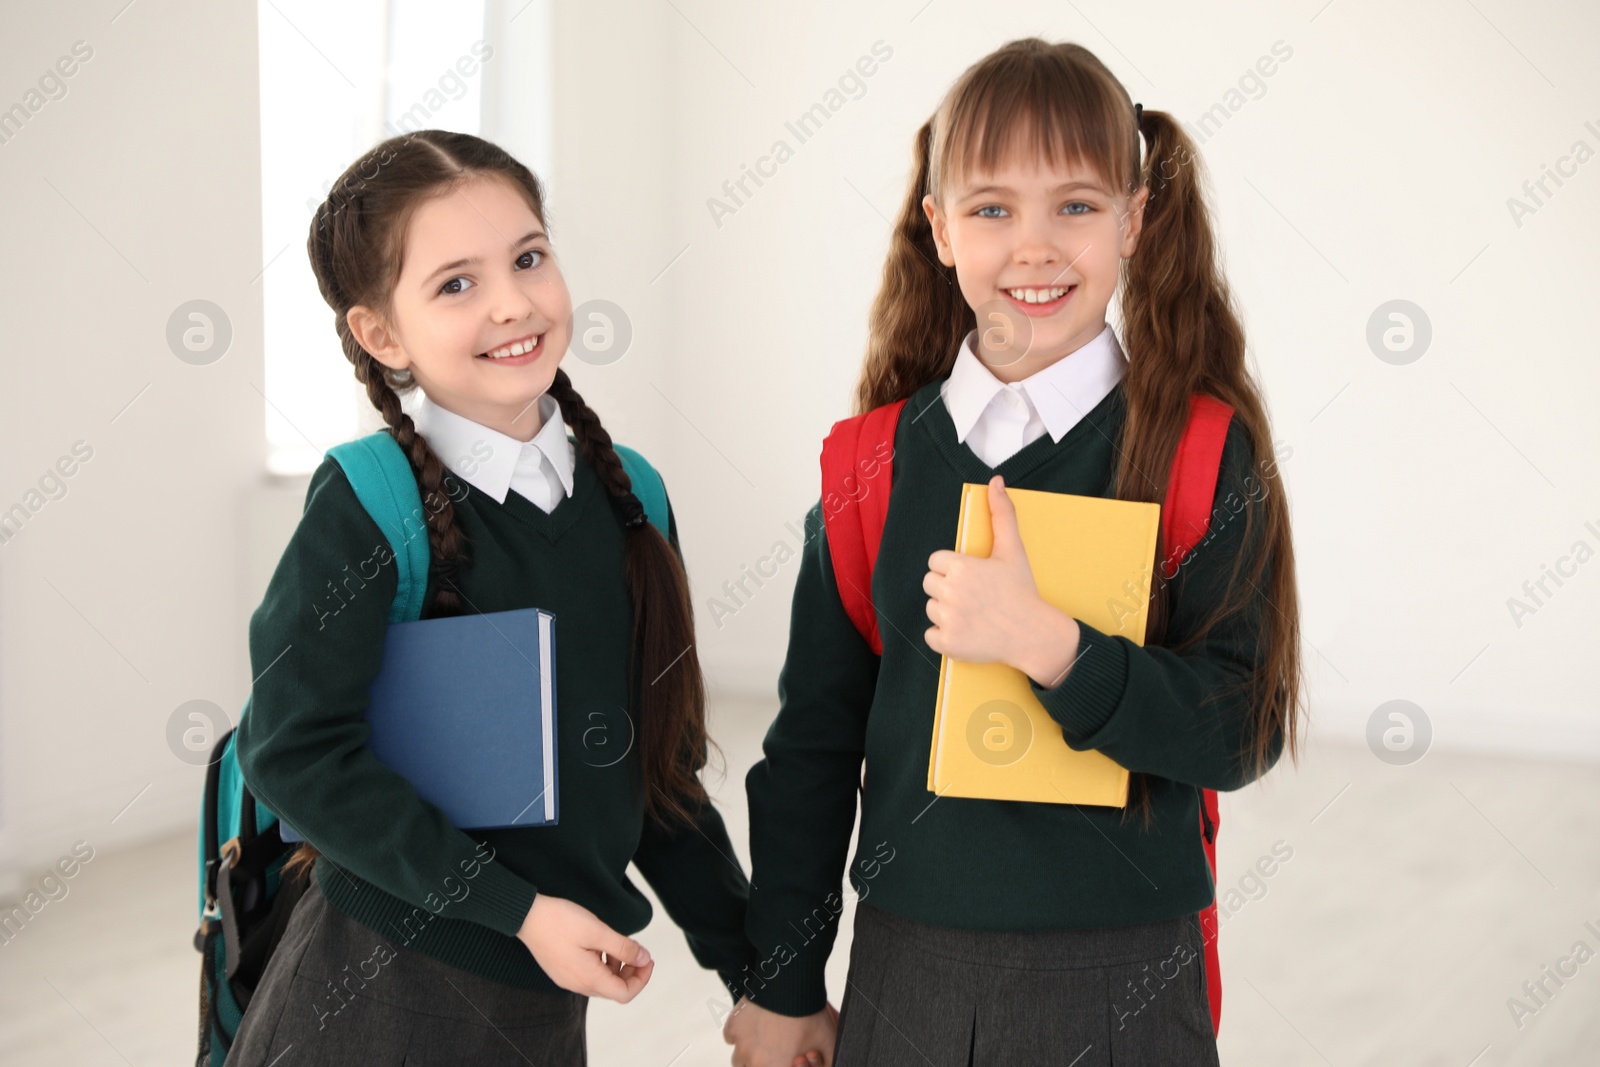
{"points": [[336, 79]]}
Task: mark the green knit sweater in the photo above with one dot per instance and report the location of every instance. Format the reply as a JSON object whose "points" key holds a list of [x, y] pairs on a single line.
{"points": [[986, 864], [391, 861]]}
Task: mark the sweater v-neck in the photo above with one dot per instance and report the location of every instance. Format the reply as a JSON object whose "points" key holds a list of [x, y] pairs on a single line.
{"points": [[927, 409], [555, 523]]}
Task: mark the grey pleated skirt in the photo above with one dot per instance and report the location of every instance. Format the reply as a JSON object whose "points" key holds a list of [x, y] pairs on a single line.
{"points": [[316, 1006], [928, 996]]}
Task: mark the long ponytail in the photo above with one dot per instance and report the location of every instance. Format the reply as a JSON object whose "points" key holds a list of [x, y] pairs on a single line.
{"points": [[1179, 316], [919, 317]]}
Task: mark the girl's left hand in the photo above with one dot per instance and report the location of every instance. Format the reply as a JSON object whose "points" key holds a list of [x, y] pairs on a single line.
{"points": [[989, 610]]}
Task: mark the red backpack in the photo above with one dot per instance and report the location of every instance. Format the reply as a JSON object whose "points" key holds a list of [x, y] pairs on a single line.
{"points": [[857, 474]]}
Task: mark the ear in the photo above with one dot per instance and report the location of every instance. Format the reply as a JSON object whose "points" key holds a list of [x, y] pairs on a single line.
{"points": [[941, 230], [1133, 221], [374, 335]]}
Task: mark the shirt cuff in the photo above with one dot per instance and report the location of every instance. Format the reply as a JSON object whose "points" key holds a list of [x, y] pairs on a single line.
{"points": [[1089, 694]]}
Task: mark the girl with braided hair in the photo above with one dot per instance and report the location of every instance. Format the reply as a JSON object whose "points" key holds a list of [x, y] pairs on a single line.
{"points": [[435, 256]]}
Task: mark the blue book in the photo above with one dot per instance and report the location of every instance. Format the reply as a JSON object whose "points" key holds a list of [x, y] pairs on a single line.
{"points": [[464, 708]]}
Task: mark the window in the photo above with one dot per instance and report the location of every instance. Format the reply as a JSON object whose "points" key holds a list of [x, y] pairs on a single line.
{"points": [[336, 79]]}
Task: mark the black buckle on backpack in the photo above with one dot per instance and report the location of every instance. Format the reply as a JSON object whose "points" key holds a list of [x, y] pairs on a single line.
{"points": [[230, 853]]}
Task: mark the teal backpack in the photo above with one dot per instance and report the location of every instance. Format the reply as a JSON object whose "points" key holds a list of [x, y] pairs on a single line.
{"points": [[243, 907]]}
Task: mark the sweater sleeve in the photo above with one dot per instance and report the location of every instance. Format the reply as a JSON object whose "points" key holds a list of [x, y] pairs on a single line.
{"points": [[696, 874], [1186, 716], [803, 792], [316, 643]]}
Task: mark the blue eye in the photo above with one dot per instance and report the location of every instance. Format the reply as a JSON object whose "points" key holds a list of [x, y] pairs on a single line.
{"points": [[1087, 208], [990, 207]]}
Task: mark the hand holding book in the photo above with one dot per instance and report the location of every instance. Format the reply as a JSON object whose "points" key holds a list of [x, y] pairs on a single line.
{"points": [[988, 610], [1006, 605]]}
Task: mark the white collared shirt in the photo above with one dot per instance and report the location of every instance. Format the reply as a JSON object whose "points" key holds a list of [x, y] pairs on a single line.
{"points": [[540, 470], [996, 419]]}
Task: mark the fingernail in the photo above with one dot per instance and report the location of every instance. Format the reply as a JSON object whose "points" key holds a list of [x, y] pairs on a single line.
{"points": [[642, 958]]}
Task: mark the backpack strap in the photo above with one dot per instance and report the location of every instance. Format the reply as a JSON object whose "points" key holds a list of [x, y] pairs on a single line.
{"points": [[381, 475], [1192, 485], [1185, 516], [857, 476], [647, 486], [858, 458]]}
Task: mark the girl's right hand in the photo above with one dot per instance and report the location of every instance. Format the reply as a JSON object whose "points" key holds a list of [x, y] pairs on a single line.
{"points": [[581, 954]]}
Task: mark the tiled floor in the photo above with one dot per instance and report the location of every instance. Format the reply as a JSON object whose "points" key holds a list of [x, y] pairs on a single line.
{"points": [[1413, 904]]}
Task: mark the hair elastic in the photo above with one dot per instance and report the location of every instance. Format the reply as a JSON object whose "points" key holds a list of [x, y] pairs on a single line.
{"points": [[633, 512]]}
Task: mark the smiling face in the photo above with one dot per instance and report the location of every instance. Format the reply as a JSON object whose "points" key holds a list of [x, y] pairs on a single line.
{"points": [[480, 314], [1037, 252]]}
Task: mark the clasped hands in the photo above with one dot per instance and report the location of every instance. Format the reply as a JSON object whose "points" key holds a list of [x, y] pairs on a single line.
{"points": [[983, 610], [762, 1038]]}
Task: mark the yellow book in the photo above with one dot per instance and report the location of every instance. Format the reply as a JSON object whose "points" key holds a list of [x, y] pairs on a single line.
{"points": [[992, 739]]}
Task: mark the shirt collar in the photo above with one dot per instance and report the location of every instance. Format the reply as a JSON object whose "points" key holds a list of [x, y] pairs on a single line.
{"points": [[487, 458], [1061, 393]]}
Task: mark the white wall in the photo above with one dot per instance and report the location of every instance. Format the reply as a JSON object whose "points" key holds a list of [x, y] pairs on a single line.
{"points": [[135, 192], [1374, 164]]}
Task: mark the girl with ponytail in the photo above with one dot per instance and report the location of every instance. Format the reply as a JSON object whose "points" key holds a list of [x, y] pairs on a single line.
{"points": [[416, 941], [993, 931]]}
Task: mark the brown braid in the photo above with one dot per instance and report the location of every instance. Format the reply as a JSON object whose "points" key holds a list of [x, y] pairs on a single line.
{"points": [[672, 724], [355, 244], [438, 488]]}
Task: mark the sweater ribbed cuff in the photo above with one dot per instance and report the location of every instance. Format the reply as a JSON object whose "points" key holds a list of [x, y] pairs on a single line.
{"points": [[502, 899], [731, 982], [798, 989], [785, 973], [1088, 696]]}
